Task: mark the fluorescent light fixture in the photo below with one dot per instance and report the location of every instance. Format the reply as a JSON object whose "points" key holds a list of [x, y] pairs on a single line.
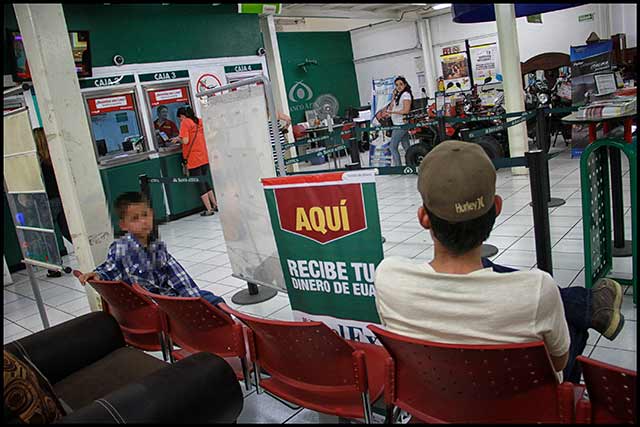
{"points": [[441, 6]]}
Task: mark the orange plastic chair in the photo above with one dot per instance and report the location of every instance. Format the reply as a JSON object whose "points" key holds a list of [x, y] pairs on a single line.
{"points": [[140, 319], [612, 394], [311, 366], [452, 383], [198, 326]]}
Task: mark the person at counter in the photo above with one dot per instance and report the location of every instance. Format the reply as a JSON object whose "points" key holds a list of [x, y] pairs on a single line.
{"points": [[194, 154], [166, 128]]}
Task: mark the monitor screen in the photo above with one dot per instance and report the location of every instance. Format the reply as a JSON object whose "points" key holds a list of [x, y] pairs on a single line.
{"points": [[79, 47]]}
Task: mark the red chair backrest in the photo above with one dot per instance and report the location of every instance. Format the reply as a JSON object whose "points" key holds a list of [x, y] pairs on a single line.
{"points": [[304, 352], [473, 383], [612, 392], [138, 316], [196, 325]]}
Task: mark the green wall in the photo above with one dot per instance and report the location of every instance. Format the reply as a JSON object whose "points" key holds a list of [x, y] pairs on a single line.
{"points": [[334, 74], [152, 33]]}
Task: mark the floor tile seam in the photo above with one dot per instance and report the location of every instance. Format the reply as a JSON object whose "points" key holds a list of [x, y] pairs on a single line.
{"points": [[296, 413], [67, 302]]}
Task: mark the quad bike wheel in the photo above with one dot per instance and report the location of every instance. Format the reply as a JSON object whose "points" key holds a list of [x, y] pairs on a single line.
{"points": [[416, 153], [490, 145]]}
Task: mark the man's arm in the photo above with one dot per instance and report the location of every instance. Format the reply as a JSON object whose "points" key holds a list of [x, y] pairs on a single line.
{"points": [[551, 323], [559, 363]]}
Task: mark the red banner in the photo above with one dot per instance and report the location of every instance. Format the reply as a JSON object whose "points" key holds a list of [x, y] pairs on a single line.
{"points": [[111, 103], [168, 96], [321, 213]]}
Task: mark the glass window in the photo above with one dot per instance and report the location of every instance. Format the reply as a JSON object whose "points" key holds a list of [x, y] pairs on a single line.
{"points": [[164, 104], [115, 124]]}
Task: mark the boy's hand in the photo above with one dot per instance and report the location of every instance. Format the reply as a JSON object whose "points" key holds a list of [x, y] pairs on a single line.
{"points": [[88, 276]]}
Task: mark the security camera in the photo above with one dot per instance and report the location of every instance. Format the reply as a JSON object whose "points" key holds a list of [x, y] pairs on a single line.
{"points": [[118, 60], [261, 51]]}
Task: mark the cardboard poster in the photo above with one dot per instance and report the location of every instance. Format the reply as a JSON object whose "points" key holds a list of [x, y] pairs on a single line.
{"points": [[485, 62], [455, 69], [327, 230]]}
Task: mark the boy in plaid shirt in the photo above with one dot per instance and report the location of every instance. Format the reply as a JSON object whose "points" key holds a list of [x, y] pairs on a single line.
{"points": [[137, 257]]}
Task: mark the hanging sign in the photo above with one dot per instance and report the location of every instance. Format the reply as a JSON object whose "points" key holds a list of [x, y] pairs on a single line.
{"points": [[106, 81], [163, 75], [234, 73], [168, 96], [260, 8], [327, 230], [111, 103]]}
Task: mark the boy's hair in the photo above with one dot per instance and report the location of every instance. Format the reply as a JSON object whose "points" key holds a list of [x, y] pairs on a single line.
{"points": [[125, 200], [461, 237]]}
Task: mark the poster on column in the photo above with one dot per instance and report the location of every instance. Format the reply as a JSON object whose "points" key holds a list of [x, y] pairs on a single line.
{"points": [[327, 230]]}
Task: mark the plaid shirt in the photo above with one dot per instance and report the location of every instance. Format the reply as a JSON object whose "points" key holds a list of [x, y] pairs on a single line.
{"points": [[153, 268]]}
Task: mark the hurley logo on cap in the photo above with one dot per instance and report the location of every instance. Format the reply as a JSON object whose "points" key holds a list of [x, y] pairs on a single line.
{"points": [[457, 181], [470, 206]]}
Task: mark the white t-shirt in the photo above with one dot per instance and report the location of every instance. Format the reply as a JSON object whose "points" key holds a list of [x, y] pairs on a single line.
{"points": [[482, 307], [397, 119]]}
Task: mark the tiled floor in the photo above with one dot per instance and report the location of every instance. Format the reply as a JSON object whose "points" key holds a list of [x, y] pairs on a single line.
{"points": [[198, 243]]}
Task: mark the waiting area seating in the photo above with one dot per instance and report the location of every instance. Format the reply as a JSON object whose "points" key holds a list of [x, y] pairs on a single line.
{"points": [[98, 379], [310, 365]]}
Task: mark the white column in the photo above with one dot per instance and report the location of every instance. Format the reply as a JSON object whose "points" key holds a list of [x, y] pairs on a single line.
{"points": [[424, 30], [48, 50], [276, 75], [512, 78]]}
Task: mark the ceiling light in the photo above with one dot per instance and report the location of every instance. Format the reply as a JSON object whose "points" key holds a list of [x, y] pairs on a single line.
{"points": [[441, 6]]}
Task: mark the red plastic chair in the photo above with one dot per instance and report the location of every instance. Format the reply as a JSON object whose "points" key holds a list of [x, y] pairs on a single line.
{"points": [[612, 394], [198, 326], [312, 366], [454, 383], [140, 320]]}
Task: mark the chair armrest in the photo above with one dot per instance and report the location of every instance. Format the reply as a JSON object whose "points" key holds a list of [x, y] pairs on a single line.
{"points": [[201, 388], [64, 349]]}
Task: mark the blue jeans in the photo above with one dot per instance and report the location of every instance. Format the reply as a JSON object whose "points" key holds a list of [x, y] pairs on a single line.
{"points": [[577, 311], [210, 297], [398, 136]]}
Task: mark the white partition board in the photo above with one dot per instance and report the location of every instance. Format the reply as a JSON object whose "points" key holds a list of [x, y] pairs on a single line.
{"points": [[240, 154]]}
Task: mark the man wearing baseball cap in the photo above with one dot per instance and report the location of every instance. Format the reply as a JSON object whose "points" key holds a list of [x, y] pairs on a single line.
{"points": [[460, 297]]}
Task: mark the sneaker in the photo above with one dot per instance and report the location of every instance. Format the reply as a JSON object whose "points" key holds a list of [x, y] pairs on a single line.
{"points": [[606, 301], [207, 213]]}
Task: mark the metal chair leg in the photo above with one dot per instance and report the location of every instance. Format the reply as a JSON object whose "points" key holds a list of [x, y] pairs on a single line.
{"points": [[256, 373], [245, 373], [172, 359], [366, 403], [163, 346]]}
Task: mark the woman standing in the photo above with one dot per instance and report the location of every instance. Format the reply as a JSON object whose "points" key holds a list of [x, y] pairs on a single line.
{"points": [[194, 153], [51, 187], [399, 106]]}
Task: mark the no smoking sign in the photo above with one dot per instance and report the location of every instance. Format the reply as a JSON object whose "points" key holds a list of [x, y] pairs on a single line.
{"points": [[207, 82]]}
